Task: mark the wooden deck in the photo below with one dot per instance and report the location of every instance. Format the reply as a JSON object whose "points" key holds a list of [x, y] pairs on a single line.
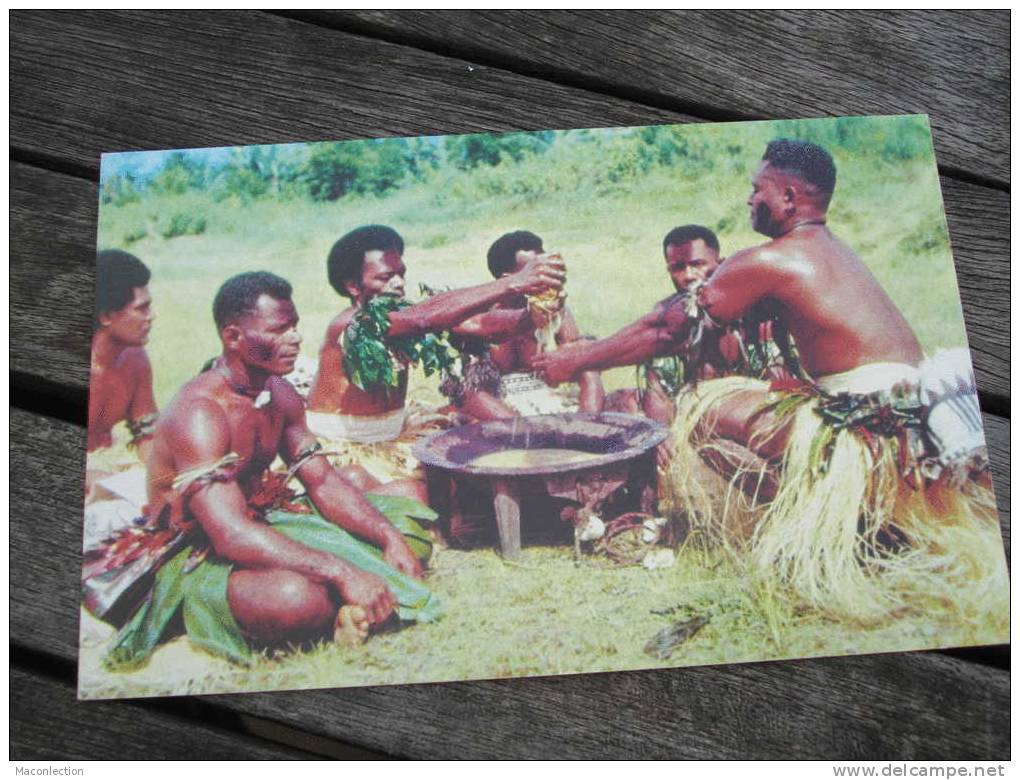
{"points": [[84, 83]]}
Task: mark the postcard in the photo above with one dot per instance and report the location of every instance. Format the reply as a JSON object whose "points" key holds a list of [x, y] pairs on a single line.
{"points": [[408, 410]]}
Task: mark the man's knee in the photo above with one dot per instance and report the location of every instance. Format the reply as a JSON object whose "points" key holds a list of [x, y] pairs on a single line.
{"points": [[358, 476], [732, 419], [274, 605]]}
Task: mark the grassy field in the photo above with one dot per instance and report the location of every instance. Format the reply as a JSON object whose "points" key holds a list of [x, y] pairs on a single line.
{"points": [[545, 615], [610, 236]]}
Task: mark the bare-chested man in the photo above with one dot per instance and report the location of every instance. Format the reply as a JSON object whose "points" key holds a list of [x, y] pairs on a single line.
{"points": [[691, 253], [212, 448], [858, 458], [366, 263], [499, 384], [839, 316], [120, 381]]}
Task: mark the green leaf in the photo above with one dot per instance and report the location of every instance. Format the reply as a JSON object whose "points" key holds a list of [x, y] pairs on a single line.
{"points": [[140, 636], [392, 506], [416, 601], [818, 455], [207, 616], [401, 512]]}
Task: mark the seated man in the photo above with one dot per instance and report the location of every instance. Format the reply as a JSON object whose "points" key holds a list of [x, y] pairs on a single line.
{"points": [[232, 541], [692, 256], [120, 381], [875, 451], [120, 391], [360, 390], [498, 382]]}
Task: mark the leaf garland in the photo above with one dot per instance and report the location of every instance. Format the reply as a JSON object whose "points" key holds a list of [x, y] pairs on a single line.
{"points": [[373, 360]]}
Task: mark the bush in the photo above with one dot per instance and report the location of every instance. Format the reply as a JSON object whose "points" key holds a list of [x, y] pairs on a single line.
{"points": [[135, 234], [184, 223], [119, 190]]}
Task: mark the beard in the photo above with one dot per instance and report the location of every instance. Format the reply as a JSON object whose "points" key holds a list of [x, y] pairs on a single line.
{"points": [[763, 222]]}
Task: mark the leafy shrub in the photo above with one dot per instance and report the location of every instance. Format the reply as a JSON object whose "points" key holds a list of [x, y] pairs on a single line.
{"points": [[135, 234], [119, 190], [184, 223]]}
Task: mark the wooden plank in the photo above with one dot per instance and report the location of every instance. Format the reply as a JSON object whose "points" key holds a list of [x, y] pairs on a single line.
{"points": [[86, 83], [749, 64], [48, 723], [53, 218], [865, 707]]}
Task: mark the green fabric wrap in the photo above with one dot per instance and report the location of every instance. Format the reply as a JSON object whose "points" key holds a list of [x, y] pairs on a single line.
{"points": [[200, 592]]}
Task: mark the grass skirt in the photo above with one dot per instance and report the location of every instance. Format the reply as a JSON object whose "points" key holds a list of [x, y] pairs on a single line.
{"points": [[844, 530]]}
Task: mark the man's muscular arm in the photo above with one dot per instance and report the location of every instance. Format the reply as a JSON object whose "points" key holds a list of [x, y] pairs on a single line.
{"points": [[653, 335], [143, 402], [592, 393], [742, 281], [444, 310], [496, 325], [337, 499], [202, 437]]}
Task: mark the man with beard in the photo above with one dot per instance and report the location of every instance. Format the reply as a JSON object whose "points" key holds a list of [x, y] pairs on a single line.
{"points": [[819, 464], [367, 267], [235, 543]]}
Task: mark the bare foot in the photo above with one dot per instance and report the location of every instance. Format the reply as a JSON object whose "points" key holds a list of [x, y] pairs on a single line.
{"points": [[351, 627]]}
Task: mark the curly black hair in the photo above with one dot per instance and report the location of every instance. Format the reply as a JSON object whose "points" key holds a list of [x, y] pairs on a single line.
{"points": [[686, 233], [502, 255], [347, 257], [118, 274], [807, 161], [239, 294]]}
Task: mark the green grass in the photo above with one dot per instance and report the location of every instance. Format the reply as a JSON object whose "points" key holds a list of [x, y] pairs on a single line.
{"points": [[546, 616]]}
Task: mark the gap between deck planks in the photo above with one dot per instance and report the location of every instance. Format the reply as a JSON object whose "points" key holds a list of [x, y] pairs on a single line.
{"points": [[846, 707], [50, 722], [78, 72]]}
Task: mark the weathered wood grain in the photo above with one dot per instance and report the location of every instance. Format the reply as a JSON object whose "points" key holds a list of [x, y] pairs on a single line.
{"points": [[48, 723], [953, 65], [86, 83], [53, 218], [846, 707]]}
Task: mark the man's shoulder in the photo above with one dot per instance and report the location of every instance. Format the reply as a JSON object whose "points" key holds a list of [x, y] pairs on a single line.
{"points": [[135, 360], [776, 257], [195, 400], [284, 395], [337, 325]]}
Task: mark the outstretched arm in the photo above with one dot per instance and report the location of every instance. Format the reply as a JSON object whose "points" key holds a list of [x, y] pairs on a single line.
{"points": [[444, 310], [200, 439], [742, 281], [338, 500], [496, 325], [592, 393], [653, 335]]}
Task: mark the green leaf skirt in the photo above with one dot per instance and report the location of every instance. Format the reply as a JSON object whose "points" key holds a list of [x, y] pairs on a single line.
{"points": [[200, 593]]}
